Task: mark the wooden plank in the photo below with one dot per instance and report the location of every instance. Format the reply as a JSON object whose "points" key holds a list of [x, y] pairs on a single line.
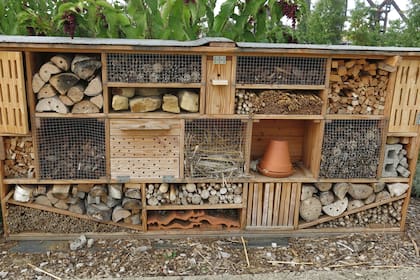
{"points": [[255, 204], [145, 127], [270, 205], [250, 204], [297, 206], [312, 146], [145, 167], [104, 76], [282, 204], [244, 217], [324, 219], [260, 204], [143, 208], [181, 149], [266, 197], [155, 85], [276, 210], [292, 205], [13, 108], [286, 207], [2, 150], [107, 147], [148, 146], [278, 86], [220, 99], [192, 206], [4, 190]]}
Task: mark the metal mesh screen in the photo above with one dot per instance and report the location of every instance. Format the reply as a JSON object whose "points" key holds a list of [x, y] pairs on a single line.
{"points": [[71, 148], [351, 149], [214, 148], [281, 70], [153, 68]]}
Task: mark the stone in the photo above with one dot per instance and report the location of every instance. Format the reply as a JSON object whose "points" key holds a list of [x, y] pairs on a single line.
{"points": [[170, 104], [370, 199], [310, 209], [119, 103], [188, 101], [378, 187], [126, 92], [133, 193], [360, 191], [353, 204], [397, 189], [383, 195], [341, 189], [61, 204], [323, 186], [43, 200], [404, 172], [307, 191], [79, 243], [145, 104], [326, 198], [337, 208]]}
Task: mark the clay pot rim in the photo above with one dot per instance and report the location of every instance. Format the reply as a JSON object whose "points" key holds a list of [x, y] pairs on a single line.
{"points": [[275, 174]]}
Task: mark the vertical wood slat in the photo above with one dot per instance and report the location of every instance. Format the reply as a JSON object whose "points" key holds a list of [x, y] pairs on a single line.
{"points": [[265, 204], [255, 205], [260, 204], [270, 204], [249, 204], [406, 100], [276, 210], [13, 109]]}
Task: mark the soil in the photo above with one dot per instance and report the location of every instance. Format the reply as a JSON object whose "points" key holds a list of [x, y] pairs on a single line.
{"points": [[346, 256]]}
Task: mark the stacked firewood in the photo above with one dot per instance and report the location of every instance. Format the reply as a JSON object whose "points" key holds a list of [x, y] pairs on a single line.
{"points": [[277, 102], [196, 194], [113, 202], [19, 157], [334, 199], [68, 83], [359, 86]]}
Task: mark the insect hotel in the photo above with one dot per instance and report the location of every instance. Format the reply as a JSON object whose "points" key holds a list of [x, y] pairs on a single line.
{"points": [[202, 137]]}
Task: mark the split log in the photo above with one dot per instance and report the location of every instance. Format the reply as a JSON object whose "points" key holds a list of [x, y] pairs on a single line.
{"points": [[43, 200], [94, 87], [46, 91], [60, 191], [98, 101], [62, 61], [47, 70], [76, 93], [119, 214], [133, 193], [37, 83], [78, 207], [115, 191], [66, 100], [51, 104], [131, 203], [85, 66], [100, 211], [390, 64], [63, 82], [85, 107]]}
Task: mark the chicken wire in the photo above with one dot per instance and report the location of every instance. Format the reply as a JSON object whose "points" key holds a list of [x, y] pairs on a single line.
{"points": [[71, 148], [153, 68], [351, 149], [214, 148], [281, 70]]}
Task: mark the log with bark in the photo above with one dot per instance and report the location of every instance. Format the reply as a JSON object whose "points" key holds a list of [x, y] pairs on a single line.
{"points": [[65, 81]]}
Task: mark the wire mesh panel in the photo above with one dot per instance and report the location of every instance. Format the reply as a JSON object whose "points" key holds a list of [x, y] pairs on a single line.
{"points": [[214, 148], [71, 148], [351, 149], [281, 70], [153, 68]]}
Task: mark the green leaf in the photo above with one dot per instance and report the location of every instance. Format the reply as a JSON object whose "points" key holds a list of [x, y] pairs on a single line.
{"points": [[226, 11]]}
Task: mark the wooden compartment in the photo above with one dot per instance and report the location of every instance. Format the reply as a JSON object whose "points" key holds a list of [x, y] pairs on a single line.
{"points": [[303, 137], [405, 110], [272, 205], [19, 156], [145, 148], [13, 109]]}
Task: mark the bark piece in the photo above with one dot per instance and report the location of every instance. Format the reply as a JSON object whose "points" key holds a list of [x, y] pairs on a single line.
{"points": [[37, 83], [145, 104], [51, 104], [188, 101], [310, 209], [94, 87], [47, 70], [119, 103], [337, 208], [63, 82], [84, 107], [62, 61], [170, 104]]}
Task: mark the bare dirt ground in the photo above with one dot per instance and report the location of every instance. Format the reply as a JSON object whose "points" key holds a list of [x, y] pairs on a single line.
{"points": [[345, 256]]}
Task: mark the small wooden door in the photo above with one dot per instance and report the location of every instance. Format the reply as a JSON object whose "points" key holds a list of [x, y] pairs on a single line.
{"points": [[13, 109]]}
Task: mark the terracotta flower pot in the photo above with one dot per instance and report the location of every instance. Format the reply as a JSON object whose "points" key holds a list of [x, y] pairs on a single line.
{"points": [[276, 160]]}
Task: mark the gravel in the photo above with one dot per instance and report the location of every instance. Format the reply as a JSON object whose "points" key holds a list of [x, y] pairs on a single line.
{"points": [[192, 256]]}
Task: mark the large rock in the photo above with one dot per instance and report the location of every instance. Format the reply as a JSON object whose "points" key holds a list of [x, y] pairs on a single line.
{"points": [[326, 198], [170, 104], [341, 189], [353, 204], [145, 104], [310, 209], [126, 92], [189, 101], [337, 208], [370, 199], [119, 103], [360, 191], [323, 186], [397, 189], [307, 191], [383, 195], [378, 187]]}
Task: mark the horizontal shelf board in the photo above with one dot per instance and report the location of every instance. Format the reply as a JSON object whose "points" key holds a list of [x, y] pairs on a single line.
{"points": [[349, 180], [195, 207], [271, 86], [354, 117], [353, 211], [155, 85], [185, 180], [402, 134], [68, 213], [348, 230], [287, 117], [55, 181], [266, 228], [69, 115], [151, 115], [395, 179]]}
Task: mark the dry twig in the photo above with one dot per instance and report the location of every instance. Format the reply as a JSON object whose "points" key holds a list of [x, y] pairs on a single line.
{"points": [[43, 271], [246, 251]]}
